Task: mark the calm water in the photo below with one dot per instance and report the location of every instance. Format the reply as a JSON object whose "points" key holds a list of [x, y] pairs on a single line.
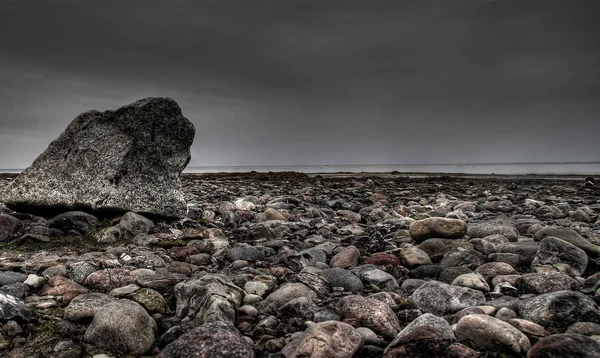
{"points": [[591, 168], [524, 168]]}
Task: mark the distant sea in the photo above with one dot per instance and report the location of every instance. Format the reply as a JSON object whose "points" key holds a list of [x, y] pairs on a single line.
{"points": [[564, 168]]}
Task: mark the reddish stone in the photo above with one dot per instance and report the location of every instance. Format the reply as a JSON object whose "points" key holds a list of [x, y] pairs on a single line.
{"points": [[181, 252], [383, 259], [64, 287]]}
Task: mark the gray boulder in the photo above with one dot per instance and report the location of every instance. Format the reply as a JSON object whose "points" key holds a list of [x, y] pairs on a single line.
{"points": [[122, 326], [214, 339], [571, 236], [560, 255], [559, 309], [210, 298], [326, 339], [440, 298], [129, 159]]}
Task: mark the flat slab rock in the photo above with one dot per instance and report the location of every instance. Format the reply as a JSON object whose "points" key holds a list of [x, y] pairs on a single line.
{"points": [[112, 161]]}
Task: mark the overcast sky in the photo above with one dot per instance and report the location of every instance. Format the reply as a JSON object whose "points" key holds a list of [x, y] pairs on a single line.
{"points": [[281, 83]]}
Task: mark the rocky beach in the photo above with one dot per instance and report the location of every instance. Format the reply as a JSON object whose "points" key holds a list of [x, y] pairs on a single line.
{"points": [[296, 265]]}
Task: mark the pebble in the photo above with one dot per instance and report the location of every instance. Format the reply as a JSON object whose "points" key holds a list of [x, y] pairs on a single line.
{"points": [[274, 264]]}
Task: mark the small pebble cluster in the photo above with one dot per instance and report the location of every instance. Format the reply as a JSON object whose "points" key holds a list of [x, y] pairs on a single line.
{"points": [[292, 265]]}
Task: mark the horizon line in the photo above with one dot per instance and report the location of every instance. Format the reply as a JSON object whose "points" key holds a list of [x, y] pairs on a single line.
{"points": [[371, 165]]}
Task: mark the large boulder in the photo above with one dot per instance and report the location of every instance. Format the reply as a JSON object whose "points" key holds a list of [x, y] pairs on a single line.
{"points": [[129, 159]]}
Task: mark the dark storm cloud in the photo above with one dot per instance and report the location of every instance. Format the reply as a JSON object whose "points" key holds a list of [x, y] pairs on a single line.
{"points": [[314, 82]]}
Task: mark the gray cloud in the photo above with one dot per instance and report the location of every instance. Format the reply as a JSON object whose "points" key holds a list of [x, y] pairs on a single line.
{"points": [[314, 82]]}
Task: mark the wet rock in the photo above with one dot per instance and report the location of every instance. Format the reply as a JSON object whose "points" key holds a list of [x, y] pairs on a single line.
{"points": [[13, 308], [124, 160], [566, 345], [440, 298], [343, 278], [371, 313], [492, 334], [561, 256], [444, 228], [326, 339], [210, 298], [213, 339], [559, 309]]}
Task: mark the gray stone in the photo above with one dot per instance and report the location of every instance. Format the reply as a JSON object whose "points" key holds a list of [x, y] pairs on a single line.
{"points": [[213, 339], [248, 252], [440, 298], [13, 308], [372, 276], [559, 309], [73, 222], [525, 249], [426, 319], [284, 294], [123, 326], [571, 236], [491, 334], [113, 161], [329, 339], [566, 345], [492, 228], [9, 277], [343, 278], [132, 224], [371, 313], [545, 282], [437, 248], [212, 297], [301, 307], [561, 255], [9, 227]]}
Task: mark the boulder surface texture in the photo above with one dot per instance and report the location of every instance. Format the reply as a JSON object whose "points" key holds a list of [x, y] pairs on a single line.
{"points": [[129, 159]]}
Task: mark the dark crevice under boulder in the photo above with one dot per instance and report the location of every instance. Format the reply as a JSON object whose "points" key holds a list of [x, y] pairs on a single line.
{"points": [[111, 162]]}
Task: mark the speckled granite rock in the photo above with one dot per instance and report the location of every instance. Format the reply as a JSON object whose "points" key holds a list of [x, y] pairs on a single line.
{"points": [[129, 159]]}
